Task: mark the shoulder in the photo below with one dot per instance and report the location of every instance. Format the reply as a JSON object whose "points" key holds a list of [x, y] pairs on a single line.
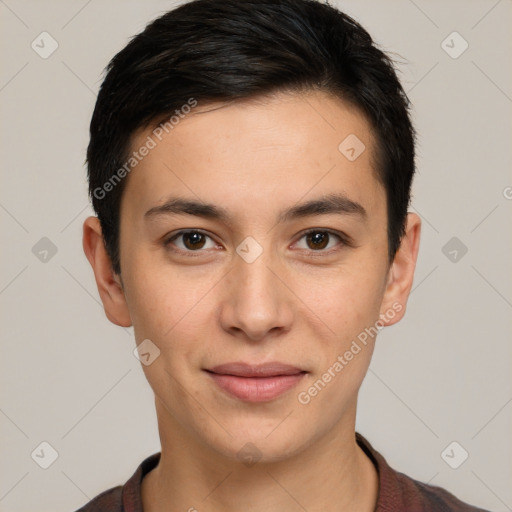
{"points": [[125, 497], [401, 493], [107, 501], [420, 497]]}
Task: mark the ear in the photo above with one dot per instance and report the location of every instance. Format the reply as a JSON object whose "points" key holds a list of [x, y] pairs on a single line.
{"points": [[401, 273], [109, 284]]}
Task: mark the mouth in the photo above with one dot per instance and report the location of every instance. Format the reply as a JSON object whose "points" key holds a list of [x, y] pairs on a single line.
{"points": [[256, 383]]}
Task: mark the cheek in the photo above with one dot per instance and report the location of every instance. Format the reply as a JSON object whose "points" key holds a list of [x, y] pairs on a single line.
{"points": [[347, 299], [175, 311], [350, 310], [160, 299]]}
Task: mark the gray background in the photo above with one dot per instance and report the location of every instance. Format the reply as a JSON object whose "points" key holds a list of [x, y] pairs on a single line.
{"points": [[69, 377]]}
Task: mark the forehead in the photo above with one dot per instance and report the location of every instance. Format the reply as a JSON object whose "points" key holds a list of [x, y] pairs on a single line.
{"points": [[257, 153]]}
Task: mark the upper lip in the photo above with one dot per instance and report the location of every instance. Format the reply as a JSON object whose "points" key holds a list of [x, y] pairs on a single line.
{"points": [[241, 369]]}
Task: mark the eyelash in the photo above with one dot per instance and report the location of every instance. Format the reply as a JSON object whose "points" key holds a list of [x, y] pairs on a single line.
{"points": [[344, 239]]}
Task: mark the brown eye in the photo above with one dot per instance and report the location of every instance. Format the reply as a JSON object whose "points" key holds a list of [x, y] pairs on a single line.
{"points": [[319, 239], [193, 240], [190, 241]]}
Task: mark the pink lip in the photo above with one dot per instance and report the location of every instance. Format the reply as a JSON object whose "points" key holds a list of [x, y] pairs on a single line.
{"points": [[256, 383]]}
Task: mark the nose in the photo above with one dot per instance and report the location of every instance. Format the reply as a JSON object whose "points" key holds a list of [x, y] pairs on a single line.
{"points": [[256, 301]]}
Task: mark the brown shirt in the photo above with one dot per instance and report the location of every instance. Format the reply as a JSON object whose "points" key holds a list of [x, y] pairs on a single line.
{"points": [[397, 492]]}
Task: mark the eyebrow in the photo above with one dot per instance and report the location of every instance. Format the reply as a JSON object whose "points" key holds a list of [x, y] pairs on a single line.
{"points": [[328, 204]]}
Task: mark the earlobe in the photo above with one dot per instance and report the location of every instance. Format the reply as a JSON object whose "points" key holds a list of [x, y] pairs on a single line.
{"points": [[401, 273], [109, 284]]}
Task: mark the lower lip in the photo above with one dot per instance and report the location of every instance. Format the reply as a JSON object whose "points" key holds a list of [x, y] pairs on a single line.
{"points": [[256, 389]]}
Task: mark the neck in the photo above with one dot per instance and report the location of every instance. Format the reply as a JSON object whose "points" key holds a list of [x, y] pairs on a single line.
{"points": [[191, 476]]}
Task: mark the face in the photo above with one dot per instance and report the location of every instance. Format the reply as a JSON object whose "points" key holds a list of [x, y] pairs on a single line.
{"points": [[267, 274]]}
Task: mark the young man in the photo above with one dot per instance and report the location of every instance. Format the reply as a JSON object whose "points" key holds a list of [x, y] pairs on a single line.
{"points": [[250, 164]]}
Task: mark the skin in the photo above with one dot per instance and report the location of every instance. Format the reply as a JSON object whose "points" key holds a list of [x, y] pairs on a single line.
{"points": [[300, 303]]}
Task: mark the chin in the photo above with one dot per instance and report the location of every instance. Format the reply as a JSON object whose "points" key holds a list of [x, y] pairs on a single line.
{"points": [[259, 443]]}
